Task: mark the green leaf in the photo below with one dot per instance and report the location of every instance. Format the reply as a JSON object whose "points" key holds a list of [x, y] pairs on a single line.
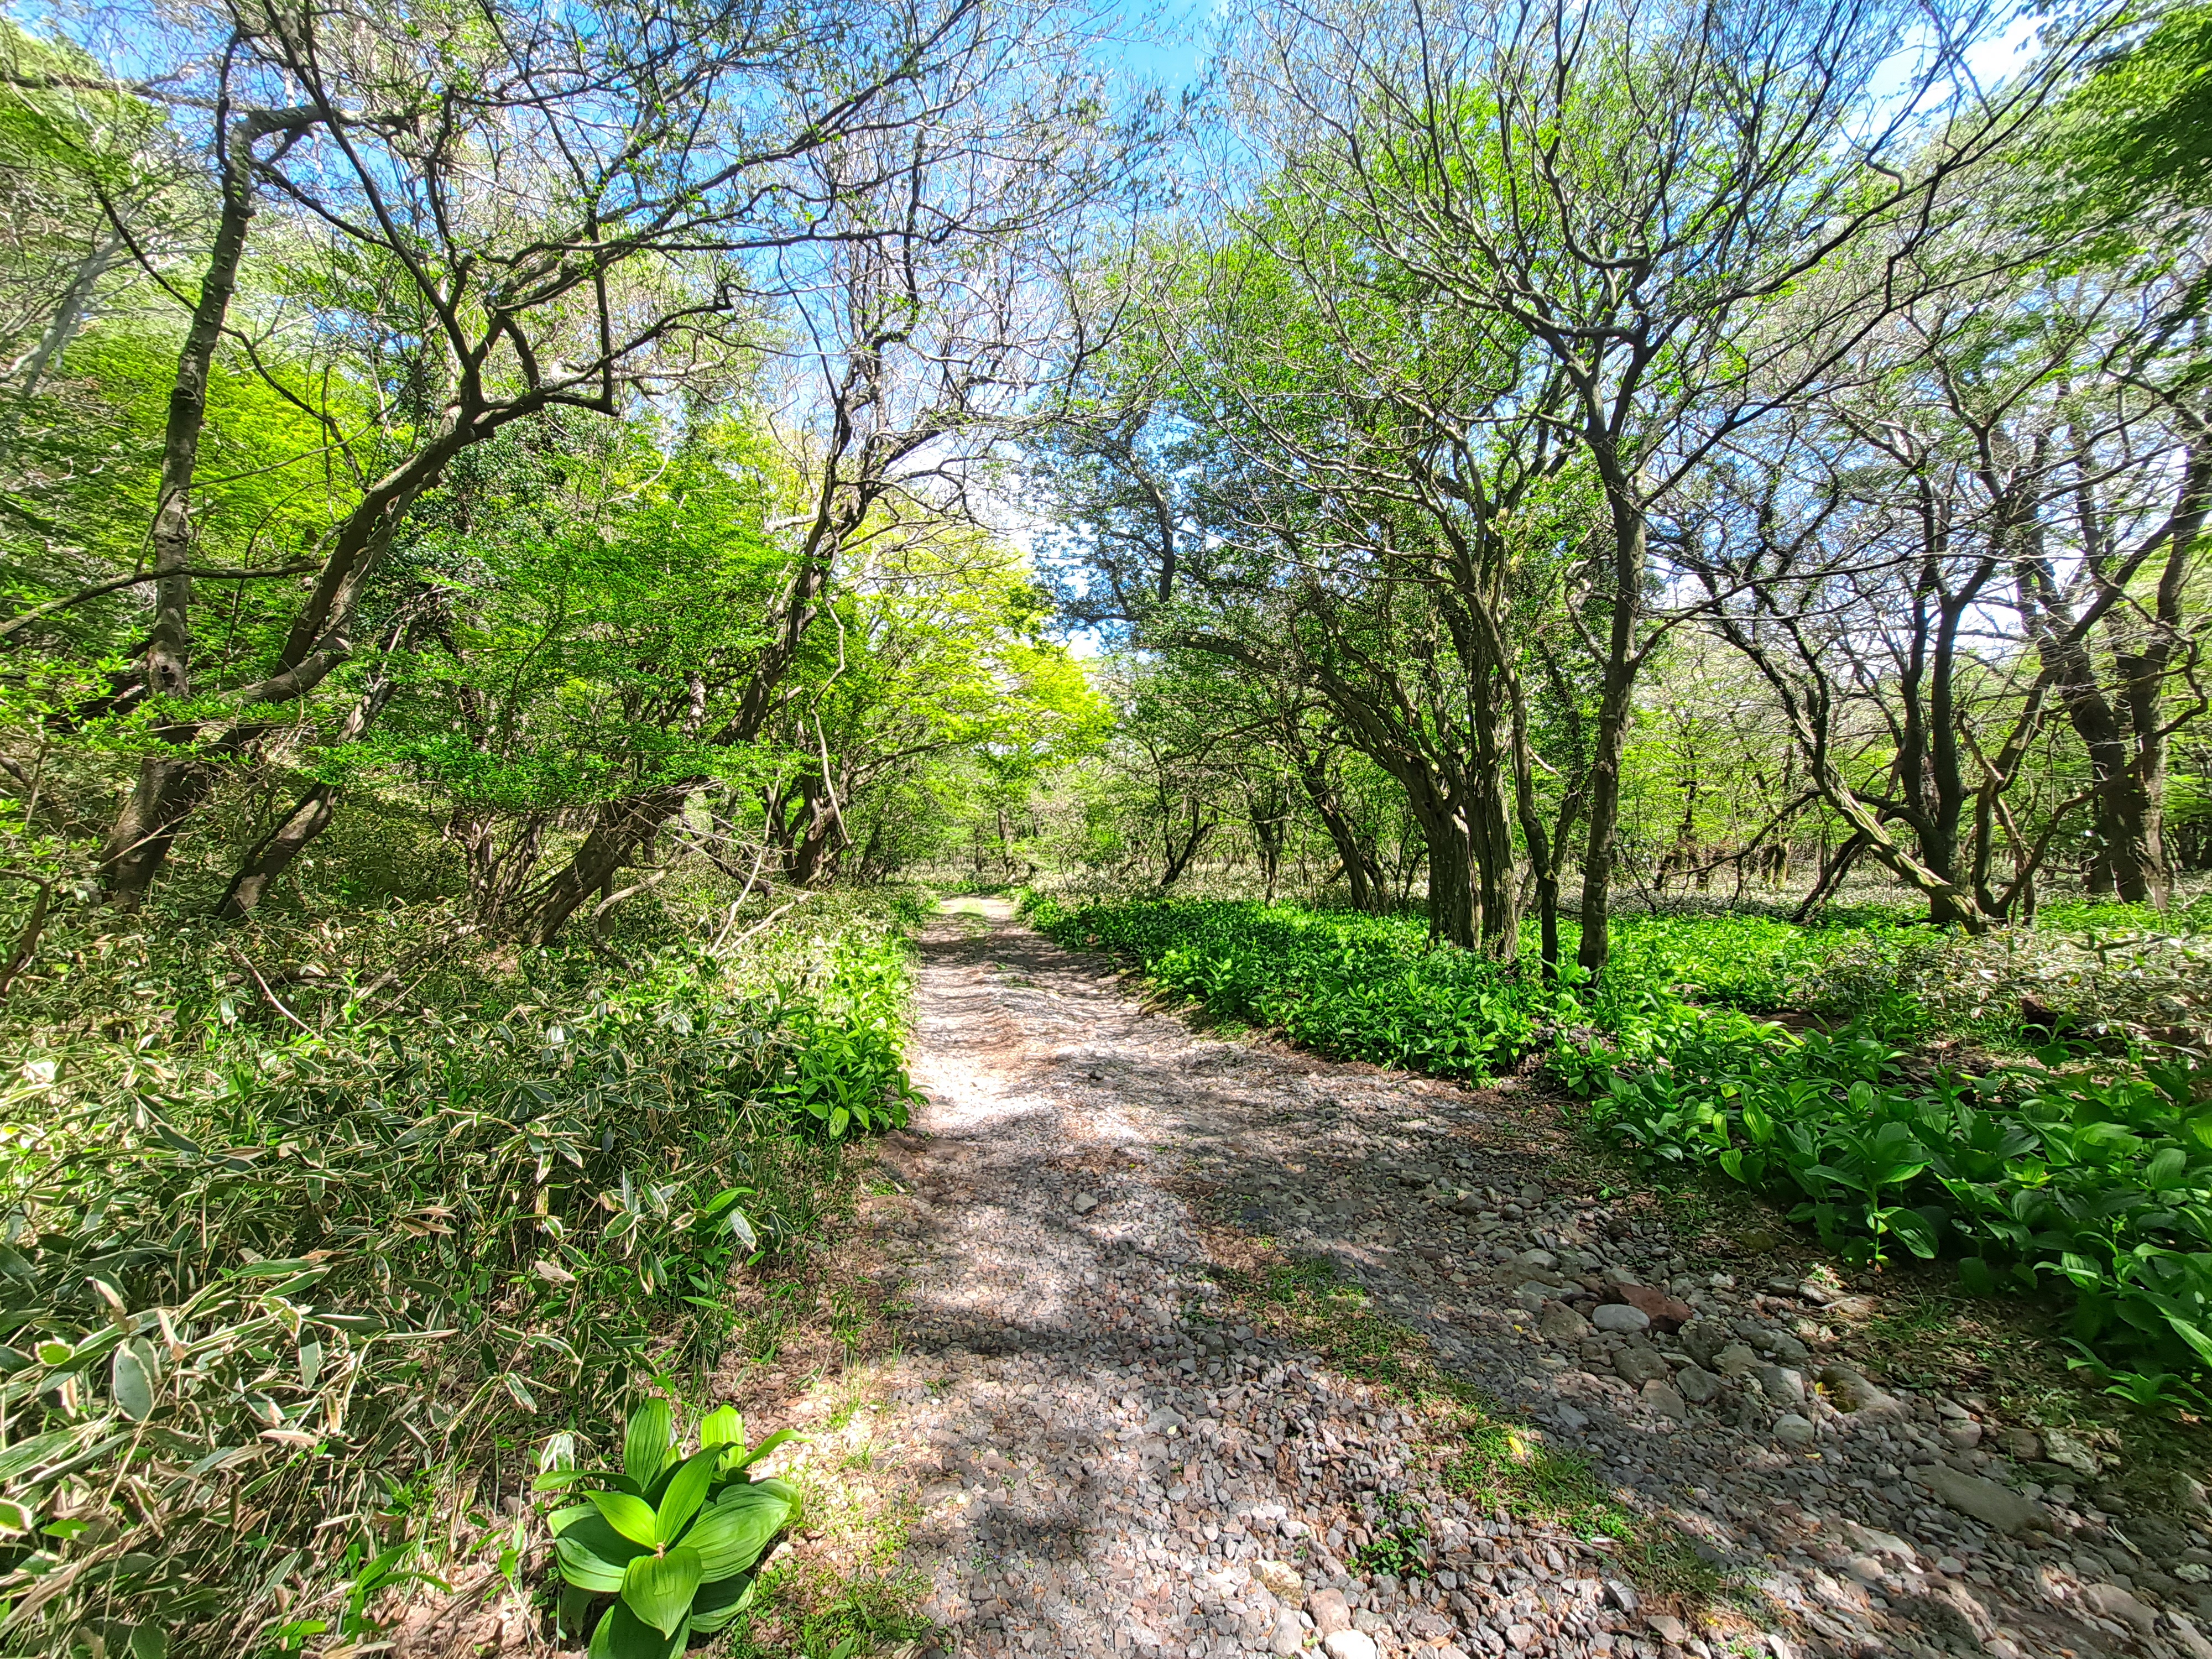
{"points": [[1912, 1227], [738, 1529], [717, 1603], [593, 1554], [131, 1374], [629, 1515], [762, 1451], [622, 1635], [659, 1589], [26, 1455], [722, 1427], [687, 1490], [645, 1445], [283, 1269]]}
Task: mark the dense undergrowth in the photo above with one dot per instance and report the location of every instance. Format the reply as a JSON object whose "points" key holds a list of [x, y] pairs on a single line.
{"points": [[2002, 1103], [319, 1235]]}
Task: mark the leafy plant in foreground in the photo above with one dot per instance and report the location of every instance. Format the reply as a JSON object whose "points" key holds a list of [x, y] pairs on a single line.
{"points": [[672, 1538]]}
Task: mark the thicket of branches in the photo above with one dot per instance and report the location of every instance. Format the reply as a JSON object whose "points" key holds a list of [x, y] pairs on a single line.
{"points": [[1665, 441]]}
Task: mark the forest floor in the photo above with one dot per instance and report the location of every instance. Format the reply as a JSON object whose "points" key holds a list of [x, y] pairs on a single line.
{"points": [[1198, 1345]]}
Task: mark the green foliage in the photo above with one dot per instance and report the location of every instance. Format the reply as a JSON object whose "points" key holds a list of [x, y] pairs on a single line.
{"points": [[1363, 986], [271, 1285], [673, 1539], [2135, 138], [1401, 1545], [2097, 1185]]}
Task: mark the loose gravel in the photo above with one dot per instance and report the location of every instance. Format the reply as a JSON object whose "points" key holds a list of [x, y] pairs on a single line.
{"points": [[1108, 1462]]}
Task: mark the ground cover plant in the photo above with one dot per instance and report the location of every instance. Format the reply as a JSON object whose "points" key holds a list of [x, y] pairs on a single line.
{"points": [[2061, 1170], [285, 1285], [672, 1537]]}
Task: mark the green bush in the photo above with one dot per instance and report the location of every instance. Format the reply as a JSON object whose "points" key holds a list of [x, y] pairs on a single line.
{"points": [[2101, 1185]]}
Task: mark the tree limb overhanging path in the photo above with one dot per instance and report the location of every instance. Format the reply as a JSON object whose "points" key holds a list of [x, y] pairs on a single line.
{"points": [[1168, 1300]]}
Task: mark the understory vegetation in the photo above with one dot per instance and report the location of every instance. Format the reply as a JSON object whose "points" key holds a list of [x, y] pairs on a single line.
{"points": [[292, 1277]]}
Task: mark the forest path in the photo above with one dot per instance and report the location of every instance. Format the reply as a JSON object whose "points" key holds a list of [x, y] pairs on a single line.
{"points": [[1113, 1454]]}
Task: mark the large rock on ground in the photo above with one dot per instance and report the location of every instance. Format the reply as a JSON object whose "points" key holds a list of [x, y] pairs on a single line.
{"points": [[1665, 1313], [1561, 1323], [1328, 1612], [1993, 1505], [1854, 1393]]}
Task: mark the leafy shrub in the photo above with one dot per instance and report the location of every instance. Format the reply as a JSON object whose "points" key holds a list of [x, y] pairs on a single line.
{"points": [[1363, 986], [672, 1539], [2100, 1185], [274, 1279]]}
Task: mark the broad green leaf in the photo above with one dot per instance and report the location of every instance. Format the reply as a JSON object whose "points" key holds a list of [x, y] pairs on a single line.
{"points": [[687, 1490], [1912, 1227], [763, 1450], [622, 1635], [717, 1603], [567, 1516], [593, 1554], [734, 1532], [629, 1515], [659, 1589], [722, 1427], [645, 1445]]}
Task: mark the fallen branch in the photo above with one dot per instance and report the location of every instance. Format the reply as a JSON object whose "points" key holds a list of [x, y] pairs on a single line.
{"points": [[238, 957]]}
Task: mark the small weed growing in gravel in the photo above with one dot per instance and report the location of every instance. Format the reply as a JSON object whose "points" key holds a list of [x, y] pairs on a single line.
{"points": [[1400, 1548], [1504, 1466]]}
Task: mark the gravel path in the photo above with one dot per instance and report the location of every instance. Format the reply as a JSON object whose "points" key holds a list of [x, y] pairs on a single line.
{"points": [[1109, 1459]]}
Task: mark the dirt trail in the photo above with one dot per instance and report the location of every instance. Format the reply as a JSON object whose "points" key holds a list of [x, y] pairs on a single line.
{"points": [[1110, 1457]]}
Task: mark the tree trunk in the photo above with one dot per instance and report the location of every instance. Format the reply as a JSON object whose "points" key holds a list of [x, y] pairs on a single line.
{"points": [[1616, 710], [171, 784], [618, 829], [1362, 872], [1455, 908], [1604, 800], [273, 853], [806, 862], [1195, 834]]}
